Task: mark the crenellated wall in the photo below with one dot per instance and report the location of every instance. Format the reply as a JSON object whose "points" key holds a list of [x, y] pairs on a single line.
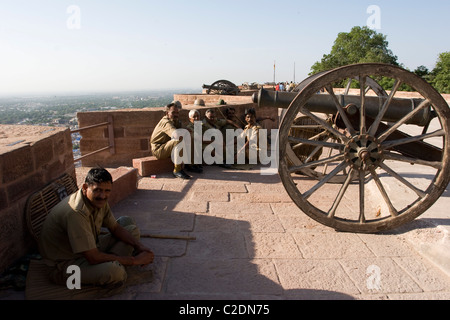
{"points": [[30, 158]]}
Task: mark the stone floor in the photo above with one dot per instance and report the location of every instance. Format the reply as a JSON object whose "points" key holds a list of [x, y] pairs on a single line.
{"points": [[253, 242]]}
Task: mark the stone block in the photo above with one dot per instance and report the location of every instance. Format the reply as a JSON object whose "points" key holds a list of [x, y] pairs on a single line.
{"points": [[17, 164], [125, 183], [148, 166], [24, 187], [43, 152]]}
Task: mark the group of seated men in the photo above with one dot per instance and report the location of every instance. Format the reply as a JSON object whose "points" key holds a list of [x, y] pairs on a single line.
{"points": [[163, 143]]}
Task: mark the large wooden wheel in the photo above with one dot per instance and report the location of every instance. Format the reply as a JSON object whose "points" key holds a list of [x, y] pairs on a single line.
{"points": [[364, 149]]}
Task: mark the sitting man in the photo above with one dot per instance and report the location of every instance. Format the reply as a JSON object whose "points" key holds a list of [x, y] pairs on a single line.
{"points": [[161, 140], [230, 114], [71, 236], [211, 122], [194, 116], [251, 134]]}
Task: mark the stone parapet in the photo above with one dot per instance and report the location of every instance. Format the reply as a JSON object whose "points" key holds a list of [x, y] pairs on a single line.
{"points": [[30, 158]]}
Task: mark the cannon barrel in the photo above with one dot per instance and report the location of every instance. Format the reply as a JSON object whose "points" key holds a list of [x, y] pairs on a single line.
{"points": [[323, 103]]}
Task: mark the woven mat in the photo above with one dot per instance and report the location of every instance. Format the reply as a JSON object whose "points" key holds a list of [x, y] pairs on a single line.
{"points": [[39, 287]]}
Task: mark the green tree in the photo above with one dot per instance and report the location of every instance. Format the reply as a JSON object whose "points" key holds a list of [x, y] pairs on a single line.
{"points": [[360, 45], [422, 71], [441, 73]]}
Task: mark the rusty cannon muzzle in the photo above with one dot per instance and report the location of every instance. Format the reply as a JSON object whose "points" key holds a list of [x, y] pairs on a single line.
{"points": [[323, 103]]}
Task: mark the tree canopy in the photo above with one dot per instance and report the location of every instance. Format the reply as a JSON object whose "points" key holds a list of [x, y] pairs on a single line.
{"points": [[363, 45], [360, 45], [440, 76]]}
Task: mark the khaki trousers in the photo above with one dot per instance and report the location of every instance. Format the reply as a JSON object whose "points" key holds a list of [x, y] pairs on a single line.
{"points": [[164, 151], [103, 274]]}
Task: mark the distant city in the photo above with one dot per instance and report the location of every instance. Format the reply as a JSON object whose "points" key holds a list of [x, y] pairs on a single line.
{"points": [[61, 110]]}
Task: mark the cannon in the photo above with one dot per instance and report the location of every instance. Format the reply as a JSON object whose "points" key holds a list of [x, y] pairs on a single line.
{"points": [[341, 147], [223, 87]]}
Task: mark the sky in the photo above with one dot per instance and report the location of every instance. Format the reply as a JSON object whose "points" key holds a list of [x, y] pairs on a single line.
{"points": [[51, 46]]}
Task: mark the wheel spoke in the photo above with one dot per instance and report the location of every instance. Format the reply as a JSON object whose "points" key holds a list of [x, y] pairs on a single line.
{"points": [[337, 157], [340, 195], [341, 110], [374, 127], [347, 88], [313, 153], [324, 124], [315, 143], [419, 192], [362, 124], [317, 136], [362, 217], [385, 196], [306, 126], [339, 168], [397, 157], [402, 121], [391, 143]]}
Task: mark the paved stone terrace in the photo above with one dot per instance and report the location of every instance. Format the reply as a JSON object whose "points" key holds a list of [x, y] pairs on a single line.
{"points": [[252, 242]]}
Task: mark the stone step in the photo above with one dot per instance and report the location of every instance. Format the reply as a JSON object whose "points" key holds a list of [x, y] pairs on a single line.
{"points": [[149, 166]]}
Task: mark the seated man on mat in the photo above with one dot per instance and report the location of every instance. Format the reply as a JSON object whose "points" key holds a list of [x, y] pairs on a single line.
{"points": [[71, 236]]}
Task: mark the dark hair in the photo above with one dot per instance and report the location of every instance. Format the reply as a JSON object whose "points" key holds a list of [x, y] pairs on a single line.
{"points": [[227, 110], [250, 111], [98, 175], [170, 105]]}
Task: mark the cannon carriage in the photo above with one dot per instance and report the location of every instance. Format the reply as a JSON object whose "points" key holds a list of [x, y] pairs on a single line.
{"points": [[222, 87], [340, 149]]}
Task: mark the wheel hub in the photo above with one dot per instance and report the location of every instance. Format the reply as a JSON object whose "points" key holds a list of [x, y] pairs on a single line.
{"points": [[363, 152]]}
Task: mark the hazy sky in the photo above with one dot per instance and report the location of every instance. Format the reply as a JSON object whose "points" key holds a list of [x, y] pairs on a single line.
{"points": [[99, 45]]}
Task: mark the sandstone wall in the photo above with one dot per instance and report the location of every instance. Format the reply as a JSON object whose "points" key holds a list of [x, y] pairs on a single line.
{"points": [[30, 158]]}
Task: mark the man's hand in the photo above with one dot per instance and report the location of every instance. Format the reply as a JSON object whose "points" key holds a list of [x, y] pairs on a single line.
{"points": [[141, 248], [144, 258]]}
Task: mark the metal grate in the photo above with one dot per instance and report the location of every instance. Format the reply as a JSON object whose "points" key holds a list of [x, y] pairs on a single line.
{"points": [[41, 202]]}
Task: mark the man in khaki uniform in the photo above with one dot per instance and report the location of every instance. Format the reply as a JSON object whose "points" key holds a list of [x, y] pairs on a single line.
{"points": [[194, 116], [211, 122], [161, 140], [71, 236], [251, 134]]}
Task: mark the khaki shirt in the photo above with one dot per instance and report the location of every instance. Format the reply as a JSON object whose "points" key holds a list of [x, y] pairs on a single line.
{"points": [[252, 134], [72, 227], [163, 132]]}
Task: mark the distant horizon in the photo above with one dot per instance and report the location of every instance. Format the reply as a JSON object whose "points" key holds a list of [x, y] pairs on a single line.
{"points": [[91, 92]]}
